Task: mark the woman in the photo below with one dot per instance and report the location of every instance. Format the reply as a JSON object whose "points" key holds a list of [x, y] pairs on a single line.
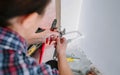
{"points": [[19, 20]]}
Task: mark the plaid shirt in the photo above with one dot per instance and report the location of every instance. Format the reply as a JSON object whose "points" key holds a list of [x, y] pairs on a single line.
{"points": [[13, 58]]}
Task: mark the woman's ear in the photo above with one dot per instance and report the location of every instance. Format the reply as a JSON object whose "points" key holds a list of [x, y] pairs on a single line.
{"points": [[29, 20]]}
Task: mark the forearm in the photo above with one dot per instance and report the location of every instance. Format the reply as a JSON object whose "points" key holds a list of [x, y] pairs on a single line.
{"points": [[63, 66]]}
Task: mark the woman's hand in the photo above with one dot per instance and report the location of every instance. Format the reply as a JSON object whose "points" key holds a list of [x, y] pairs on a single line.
{"points": [[41, 37], [61, 45], [64, 68]]}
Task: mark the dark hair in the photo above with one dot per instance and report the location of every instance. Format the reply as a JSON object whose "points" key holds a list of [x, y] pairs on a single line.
{"points": [[12, 8]]}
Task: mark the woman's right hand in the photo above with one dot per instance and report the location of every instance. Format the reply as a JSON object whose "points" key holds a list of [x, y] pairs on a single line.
{"points": [[61, 45], [64, 68]]}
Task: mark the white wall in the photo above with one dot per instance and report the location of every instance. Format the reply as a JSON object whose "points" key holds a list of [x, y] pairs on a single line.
{"points": [[100, 24], [70, 12]]}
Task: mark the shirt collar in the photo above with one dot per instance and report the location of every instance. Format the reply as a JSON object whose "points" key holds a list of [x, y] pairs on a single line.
{"points": [[11, 40]]}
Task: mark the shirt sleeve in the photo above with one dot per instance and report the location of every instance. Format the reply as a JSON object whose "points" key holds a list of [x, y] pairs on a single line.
{"points": [[20, 64]]}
